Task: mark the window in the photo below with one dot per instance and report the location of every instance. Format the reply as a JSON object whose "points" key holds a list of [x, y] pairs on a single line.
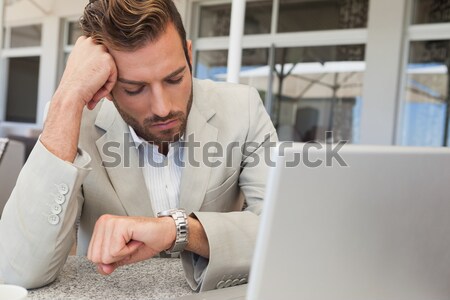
{"points": [[258, 17], [254, 69], [26, 36], [425, 98], [307, 15], [315, 90], [215, 19], [430, 11], [22, 89], [22, 59], [426, 94], [212, 64], [72, 31]]}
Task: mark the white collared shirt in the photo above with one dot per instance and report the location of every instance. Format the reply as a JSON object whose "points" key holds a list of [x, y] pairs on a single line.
{"points": [[162, 174]]}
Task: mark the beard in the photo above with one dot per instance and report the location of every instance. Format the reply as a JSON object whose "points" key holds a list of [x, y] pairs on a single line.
{"points": [[163, 136]]}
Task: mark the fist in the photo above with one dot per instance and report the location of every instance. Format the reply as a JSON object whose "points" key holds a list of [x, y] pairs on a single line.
{"points": [[90, 73], [119, 240]]}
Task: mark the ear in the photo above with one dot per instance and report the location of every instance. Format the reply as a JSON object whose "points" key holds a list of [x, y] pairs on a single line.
{"points": [[189, 47]]}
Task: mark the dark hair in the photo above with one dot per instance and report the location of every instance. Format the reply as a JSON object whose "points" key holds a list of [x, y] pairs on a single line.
{"points": [[127, 25]]}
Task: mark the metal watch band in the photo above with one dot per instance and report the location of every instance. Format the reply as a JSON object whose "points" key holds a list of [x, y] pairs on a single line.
{"points": [[180, 217]]}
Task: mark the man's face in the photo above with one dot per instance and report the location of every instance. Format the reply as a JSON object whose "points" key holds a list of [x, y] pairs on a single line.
{"points": [[153, 92]]}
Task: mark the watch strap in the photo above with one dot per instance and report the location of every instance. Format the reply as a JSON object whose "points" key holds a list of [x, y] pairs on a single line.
{"points": [[182, 229]]}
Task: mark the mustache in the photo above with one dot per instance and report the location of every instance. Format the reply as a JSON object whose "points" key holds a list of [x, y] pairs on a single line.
{"points": [[157, 119]]}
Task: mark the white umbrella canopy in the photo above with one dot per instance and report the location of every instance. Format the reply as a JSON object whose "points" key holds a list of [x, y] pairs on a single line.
{"points": [[310, 80], [344, 79]]}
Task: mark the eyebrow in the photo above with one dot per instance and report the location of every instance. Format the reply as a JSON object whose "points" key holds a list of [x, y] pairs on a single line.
{"points": [[134, 82]]}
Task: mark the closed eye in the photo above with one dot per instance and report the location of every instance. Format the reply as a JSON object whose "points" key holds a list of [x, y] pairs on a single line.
{"points": [[134, 92], [174, 80]]}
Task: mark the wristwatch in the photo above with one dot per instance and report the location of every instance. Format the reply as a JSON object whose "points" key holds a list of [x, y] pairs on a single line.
{"points": [[181, 223]]}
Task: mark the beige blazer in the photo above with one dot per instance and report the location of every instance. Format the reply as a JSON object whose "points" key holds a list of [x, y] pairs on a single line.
{"points": [[39, 223]]}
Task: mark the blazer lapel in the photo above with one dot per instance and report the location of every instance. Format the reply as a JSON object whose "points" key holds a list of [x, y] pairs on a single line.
{"points": [[195, 176], [121, 160]]}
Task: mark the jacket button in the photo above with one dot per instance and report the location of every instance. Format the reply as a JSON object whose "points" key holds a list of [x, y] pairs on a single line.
{"points": [[53, 219], [56, 209], [60, 199], [220, 284], [235, 282], [63, 189], [243, 281], [228, 283]]}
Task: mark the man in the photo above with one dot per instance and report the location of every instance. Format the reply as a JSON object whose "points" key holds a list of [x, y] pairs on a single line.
{"points": [[98, 166]]}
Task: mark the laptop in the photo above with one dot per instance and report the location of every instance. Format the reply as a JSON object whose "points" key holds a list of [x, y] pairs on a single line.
{"points": [[357, 222]]}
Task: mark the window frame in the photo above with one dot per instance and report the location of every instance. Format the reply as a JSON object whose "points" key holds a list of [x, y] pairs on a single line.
{"points": [[414, 33]]}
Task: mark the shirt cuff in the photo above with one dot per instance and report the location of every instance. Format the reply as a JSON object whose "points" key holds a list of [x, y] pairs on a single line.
{"points": [[200, 263]]}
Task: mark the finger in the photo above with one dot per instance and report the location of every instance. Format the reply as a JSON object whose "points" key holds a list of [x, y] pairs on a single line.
{"points": [[108, 86], [112, 79], [91, 104], [106, 269], [109, 97], [101, 93], [91, 242], [142, 253], [128, 249], [116, 240], [100, 269], [108, 234], [97, 240]]}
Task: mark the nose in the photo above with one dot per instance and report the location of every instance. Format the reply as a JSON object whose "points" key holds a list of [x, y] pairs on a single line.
{"points": [[160, 102]]}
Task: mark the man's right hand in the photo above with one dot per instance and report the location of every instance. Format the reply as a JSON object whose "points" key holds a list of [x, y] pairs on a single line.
{"points": [[90, 73], [89, 76]]}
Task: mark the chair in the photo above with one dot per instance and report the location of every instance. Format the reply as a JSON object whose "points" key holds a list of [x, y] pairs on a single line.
{"points": [[306, 126], [11, 163], [28, 141]]}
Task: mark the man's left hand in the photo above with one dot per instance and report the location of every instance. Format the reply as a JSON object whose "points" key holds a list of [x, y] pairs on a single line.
{"points": [[119, 240]]}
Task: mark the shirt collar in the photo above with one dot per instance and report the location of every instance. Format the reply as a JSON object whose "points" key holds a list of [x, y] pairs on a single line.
{"points": [[139, 141], [136, 139]]}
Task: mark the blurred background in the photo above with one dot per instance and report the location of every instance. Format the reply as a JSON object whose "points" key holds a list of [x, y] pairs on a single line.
{"points": [[370, 71]]}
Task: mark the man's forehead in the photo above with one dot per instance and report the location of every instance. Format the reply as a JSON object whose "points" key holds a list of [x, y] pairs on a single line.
{"points": [[169, 75], [133, 70]]}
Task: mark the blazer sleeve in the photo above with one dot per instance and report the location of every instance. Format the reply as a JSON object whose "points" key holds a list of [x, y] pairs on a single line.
{"points": [[37, 227], [232, 235]]}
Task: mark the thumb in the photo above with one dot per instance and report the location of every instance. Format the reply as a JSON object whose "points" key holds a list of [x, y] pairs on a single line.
{"points": [[106, 269], [127, 251], [142, 253], [131, 247]]}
